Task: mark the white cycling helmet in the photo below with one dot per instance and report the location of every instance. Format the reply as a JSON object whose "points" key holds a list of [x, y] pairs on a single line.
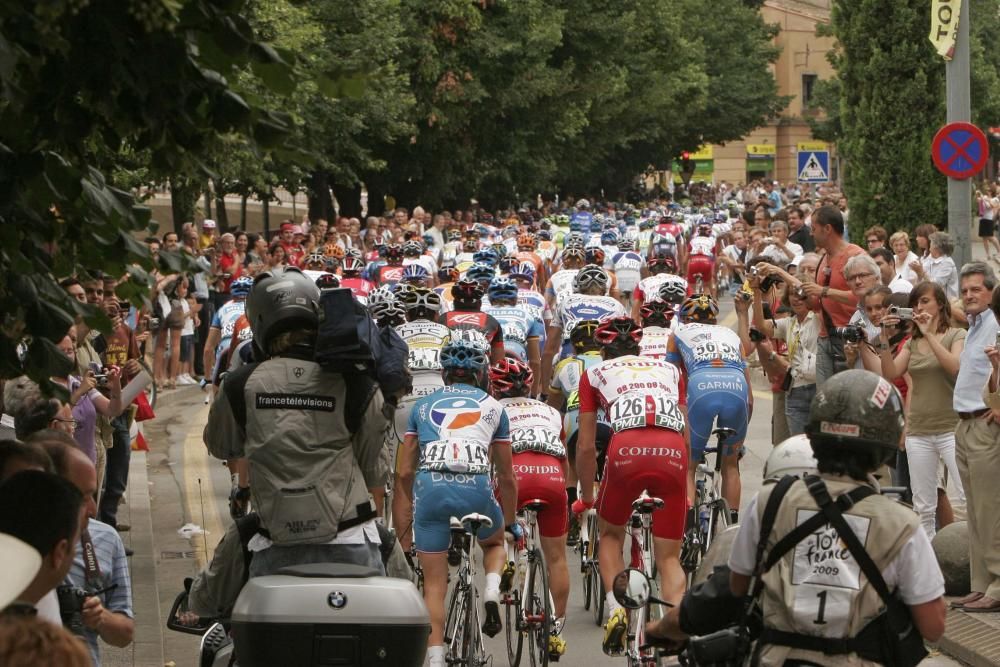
{"points": [[793, 456]]}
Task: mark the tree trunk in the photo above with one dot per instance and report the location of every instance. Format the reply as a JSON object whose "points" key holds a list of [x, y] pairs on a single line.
{"points": [[349, 198], [208, 206], [183, 195], [265, 212], [243, 212], [320, 200], [376, 200]]}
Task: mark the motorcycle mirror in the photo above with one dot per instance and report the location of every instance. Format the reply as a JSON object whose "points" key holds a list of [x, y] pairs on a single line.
{"points": [[632, 588], [176, 621]]}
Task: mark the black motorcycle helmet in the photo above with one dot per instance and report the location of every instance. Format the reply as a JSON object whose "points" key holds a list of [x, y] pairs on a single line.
{"points": [[282, 299]]}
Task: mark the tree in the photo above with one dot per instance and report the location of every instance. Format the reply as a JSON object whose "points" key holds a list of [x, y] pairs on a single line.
{"points": [[891, 102], [83, 83]]}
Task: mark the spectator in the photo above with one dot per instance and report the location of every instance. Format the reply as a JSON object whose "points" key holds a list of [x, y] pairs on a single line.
{"points": [[875, 237], [773, 197], [931, 357], [778, 248], [863, 275], [108, 615], [43, 511], [993, 353], [228, 266], [976, 438], [276, 255], [762, 218], [837, 303], [939, 267], [256, 254], [801, 334], [16, 456], [903, 257], [799, 231], [33, 412], [922, 234], [242, 246], [209, 234], [31, 642], [989, 204], [293, 250], [887, 270]]}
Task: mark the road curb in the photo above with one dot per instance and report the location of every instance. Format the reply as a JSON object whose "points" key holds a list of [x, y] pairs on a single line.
{"points": [[972, 638]]}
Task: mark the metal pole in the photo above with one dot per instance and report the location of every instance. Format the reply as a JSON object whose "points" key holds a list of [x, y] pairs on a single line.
{"points": [[959, 109]]}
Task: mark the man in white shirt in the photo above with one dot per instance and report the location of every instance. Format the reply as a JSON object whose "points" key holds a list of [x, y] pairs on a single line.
{"points": [[779, 249], [887, 268]]}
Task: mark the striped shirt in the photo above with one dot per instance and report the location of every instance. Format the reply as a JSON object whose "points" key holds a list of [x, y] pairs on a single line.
{"points": [[114, 571]]}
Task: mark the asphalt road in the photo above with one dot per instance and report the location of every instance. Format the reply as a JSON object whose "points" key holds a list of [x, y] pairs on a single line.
{"points": [[189, 487]]}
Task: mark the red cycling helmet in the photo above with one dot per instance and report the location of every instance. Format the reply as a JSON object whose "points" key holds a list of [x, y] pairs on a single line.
{"points": [[617, 331], [466, 290], [511, 378], [656, 314]]}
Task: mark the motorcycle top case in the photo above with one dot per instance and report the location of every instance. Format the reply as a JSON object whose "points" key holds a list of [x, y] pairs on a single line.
{"points": [[329, 614]]}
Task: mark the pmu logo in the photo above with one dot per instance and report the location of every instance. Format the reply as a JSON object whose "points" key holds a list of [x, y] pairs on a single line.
{"points": [[455, 413]]}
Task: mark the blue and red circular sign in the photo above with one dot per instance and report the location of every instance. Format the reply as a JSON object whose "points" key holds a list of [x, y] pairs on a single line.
{"points": [[960, 150]]}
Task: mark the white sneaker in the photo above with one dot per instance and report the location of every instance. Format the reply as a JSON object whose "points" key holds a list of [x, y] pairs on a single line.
{"points": [[184, 379], [190, 380]]}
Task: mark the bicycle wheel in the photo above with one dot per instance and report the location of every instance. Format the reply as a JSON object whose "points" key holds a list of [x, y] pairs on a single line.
{"points": [[538, 608], [452, 620], [471, 653], [588, 586], [597, 587], [718, 521], [512, 626]]}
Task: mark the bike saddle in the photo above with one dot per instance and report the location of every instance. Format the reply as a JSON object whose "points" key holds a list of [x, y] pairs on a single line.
{"points": [[647, 505], [724, 433], [535, 505], [476, 521]]}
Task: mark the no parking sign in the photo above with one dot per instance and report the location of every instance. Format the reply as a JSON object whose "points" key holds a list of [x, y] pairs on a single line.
{"points": [[960, 150]]}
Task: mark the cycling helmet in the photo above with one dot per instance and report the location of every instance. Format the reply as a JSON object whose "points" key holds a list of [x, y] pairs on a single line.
{"points": [[656, 314], [618, 332], [609, 237], [511, 378], [352, 266], [485, 256], [240, 287], [595, 255], [464, 361], [500, 249], [704, 228], [502, 289], [472, 234], [315, 262], [467, 291], [447, 274], [428, 240], [673, 292], [659, 264], [582, 334], [856, 411], [333, 250], [394, 254], [526, 240], [412, 249], [591, 276], [415, 273], [523, 271], [470, 245], [793, 456], [699, 308], [453, 235], [544, 235], [420, 298], [474, 337], [381, 295], [507, 264], [327, 281], [481, 273], [355, 253], [625, 245], [282, 299]]}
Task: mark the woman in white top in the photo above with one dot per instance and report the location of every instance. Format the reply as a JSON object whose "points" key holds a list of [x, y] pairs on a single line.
{"points": [[900, 244], [940, 267], [988, 206]]}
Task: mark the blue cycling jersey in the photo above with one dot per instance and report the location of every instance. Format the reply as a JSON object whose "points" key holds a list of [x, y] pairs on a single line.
{"points": [[705, 347], [581, 222], [518, 326], [225, 320]]}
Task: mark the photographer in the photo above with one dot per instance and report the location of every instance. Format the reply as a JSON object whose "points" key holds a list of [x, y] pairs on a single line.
{"points": [[931, 357], [801, 333], [863, 275], [778, 248]]}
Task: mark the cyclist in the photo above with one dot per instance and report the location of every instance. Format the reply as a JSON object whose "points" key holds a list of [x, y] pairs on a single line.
{"points": [[627, 265], [644, 401], [220, 332], [526, 245], [384, 309], [589, 302], [454, 435], [414, 253], [701, 259], [595, 255], [718, 385], [392, 272], [467, 298], [561, 282], [521, 329], [656, 319], [482, 273], [583, 219], [447, 277], [660, 269], [464, 259], [416, 275], [351, 271], [536, 440]]}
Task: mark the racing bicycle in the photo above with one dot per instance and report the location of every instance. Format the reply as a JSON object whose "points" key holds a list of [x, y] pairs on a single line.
{"points": [[463, 638], [710, 514], [528, 604]]}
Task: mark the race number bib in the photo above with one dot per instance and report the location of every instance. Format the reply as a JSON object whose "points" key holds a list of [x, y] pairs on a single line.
{"points": [[424, 359], [456, 455], [640, 410], [826, 577], [712, 350], [536, 439]]}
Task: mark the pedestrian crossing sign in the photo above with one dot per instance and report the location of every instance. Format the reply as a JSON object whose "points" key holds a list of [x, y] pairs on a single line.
{"points": [[814, 166]]}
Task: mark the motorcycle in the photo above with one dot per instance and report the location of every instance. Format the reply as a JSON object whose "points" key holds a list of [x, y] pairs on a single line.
{"points": [[315, 614]]}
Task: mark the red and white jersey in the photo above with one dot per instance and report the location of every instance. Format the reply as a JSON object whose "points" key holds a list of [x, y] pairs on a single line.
{"points": [[702, 245], [360, 287], [534, 427], [649, 287], [654, 342], [635, 392]]}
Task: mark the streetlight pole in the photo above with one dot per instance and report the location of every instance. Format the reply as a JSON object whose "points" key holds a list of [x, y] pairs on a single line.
{"points": [[959, 109]]}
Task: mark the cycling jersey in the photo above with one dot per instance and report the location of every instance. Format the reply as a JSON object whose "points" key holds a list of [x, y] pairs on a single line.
{"points": [[359, 287], [518, 327], [225, 320], [581, 222], [425, 261], [389, 275], [455, 427], [706, 346], [536, 441], [654, 342], [628, 267], [425, 340], [642, 399], [578, 307], [535, 303], [702, 245], [546, 250], [670, 229], [447, 300], [560, 284], [566, 380], [648, 288], [532, 258], [476, 319]]}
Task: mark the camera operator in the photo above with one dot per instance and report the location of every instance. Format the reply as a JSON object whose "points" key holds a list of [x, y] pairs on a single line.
{"points": [[301, 426], [801, 333], [862, 275], [821, 615]]}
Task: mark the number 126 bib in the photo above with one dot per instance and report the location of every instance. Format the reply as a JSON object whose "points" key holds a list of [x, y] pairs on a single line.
{"points": [[642, 410]]}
